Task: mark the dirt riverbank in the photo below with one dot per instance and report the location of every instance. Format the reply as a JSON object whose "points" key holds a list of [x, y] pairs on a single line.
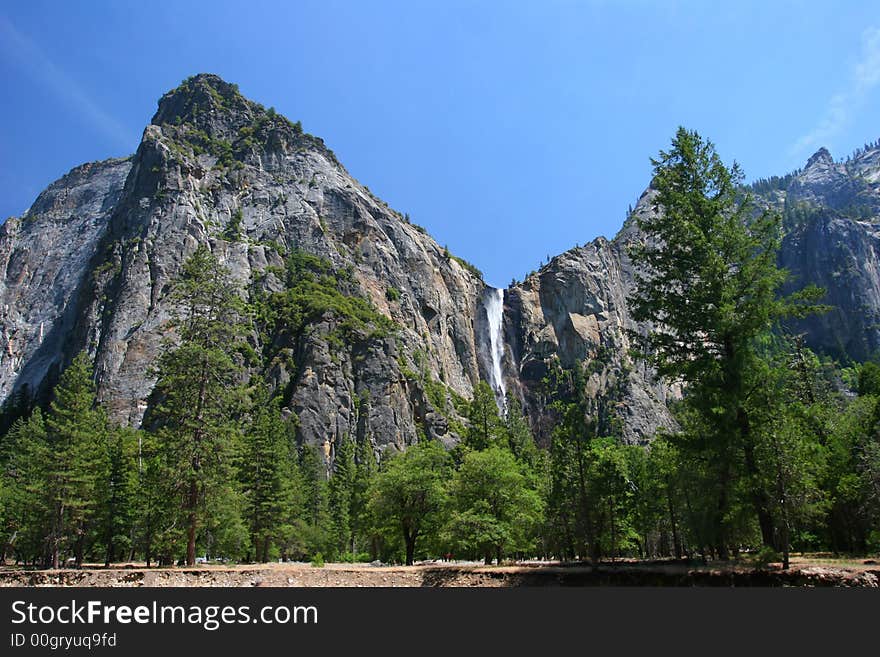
{"points": [[864, 573]]}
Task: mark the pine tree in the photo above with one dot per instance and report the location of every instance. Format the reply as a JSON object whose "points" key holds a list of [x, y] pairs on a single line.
{"points": [[316, 505], [265, 474], [361, 521], [709, 286], [611, 488], [157, 530], [199, 391], [484, 423], [518, 433], [570, 501], [659, 495], [76, 435], [25, 513], [117, 489], [340, 492]]}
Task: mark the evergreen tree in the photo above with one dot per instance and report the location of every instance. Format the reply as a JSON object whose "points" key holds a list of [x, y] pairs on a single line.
{"points": [[117, 490], [157, 531], [851, 438], [199, 391], [76, 435], [340, 492], [659, 497], [611, 490], [316, 501], [869, 379], [709, 286], [485, 426], [25, 511], [361, 520], [18, 405], [519, 434], [570, 505], [265, 472]]}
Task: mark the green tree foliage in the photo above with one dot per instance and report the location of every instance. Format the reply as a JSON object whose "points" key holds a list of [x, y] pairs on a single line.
{"points": [[232, 232], [268, 474], [592, 496], [485, 427], [362, 524], [316, 531], [77, 459], [771, 453], [573, 513], [850, 480], [611, 489], [199, 393], [117, 494], [25, 510], [158, 534], [709, 286], [658, 500], [314, 289], [495, 510], [18, 405], [341, 491], [519, 435], [409, 494], [869, 379], [65, 480]]}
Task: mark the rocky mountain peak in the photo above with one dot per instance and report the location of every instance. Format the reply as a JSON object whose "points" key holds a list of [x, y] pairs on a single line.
{"points": [[866, 163], [820, 157], [823, 181], [200, 98], [210, 113]]}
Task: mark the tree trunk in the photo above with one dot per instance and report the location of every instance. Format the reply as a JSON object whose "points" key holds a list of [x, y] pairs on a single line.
{"points": [[720, 528], [758, 494], [55, 542], [79, 547], [676, 542], [192, 520], [410, 551], [613, 537], [111, 549], [409, 538]]}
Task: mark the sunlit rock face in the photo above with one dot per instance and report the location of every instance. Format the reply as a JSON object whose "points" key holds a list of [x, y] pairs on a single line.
{"points": [[90, 265]]}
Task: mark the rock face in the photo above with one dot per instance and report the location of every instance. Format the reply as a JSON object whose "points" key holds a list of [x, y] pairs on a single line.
{"points": [[832, 239], [46, 260], [575, 310], [211, 158], [91, 263]]}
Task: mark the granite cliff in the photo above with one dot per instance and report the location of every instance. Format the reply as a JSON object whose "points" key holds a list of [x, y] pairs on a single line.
{"points": [[90, 264]]}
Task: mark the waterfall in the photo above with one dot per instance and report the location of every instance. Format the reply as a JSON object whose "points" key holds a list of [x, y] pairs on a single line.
{"points": [[495, 315]]}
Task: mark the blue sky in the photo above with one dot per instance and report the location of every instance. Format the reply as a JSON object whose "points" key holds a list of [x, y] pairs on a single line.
{"points": [[510, 130]]}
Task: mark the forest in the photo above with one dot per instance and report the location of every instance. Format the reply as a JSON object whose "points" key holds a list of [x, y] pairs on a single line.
{"points": [[776, 449]]}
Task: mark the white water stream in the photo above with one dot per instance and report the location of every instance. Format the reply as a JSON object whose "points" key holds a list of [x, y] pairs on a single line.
{"points": [[495, 314]]}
